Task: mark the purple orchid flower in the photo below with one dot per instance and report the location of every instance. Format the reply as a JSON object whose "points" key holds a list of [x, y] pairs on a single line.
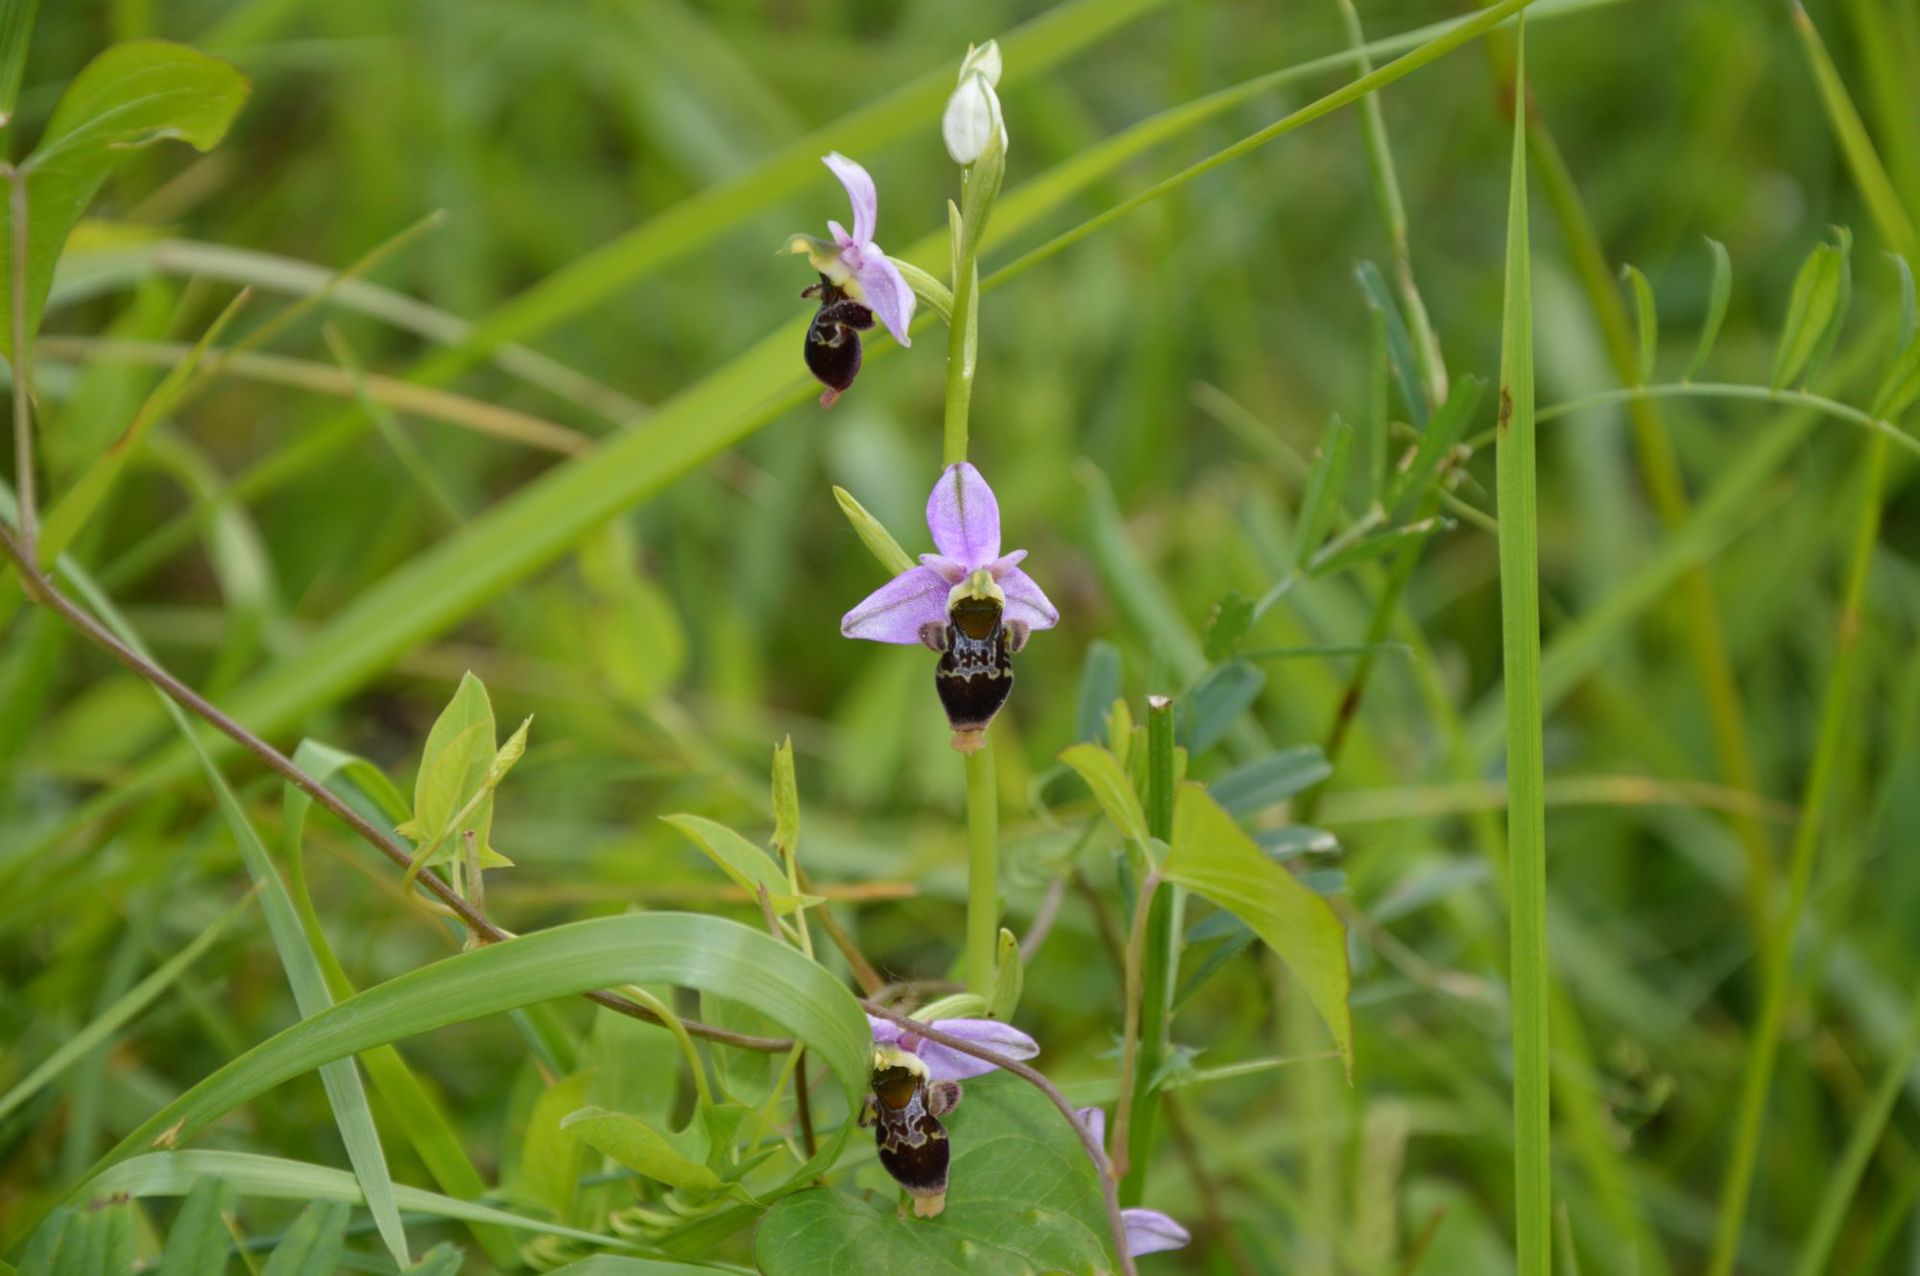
{"points": [[857, 282], [915, 1083], [944, 1063], [1148, 1231], [969, 602]]}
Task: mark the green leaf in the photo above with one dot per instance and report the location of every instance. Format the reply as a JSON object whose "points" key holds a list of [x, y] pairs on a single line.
{"points": [[748, 865], [786, 799], [1227, 627], [1111, 788], [1908, 309], [643, 1149], [442, 1260], [1009, 978], [1209, 712], [1718, 292], [874, 534], [1815, 312], [1325, 482], [619, 1265], [553, 1158], [1412, 487], [1212, 857], [199, 1240], [269, 1177], [1099, 688], [460, 764], [1378, 545], [1022, 1198], [1406, 369], [16, 33], [1902, 385], [1646, 319], [1271, 780], [129, 96], [312, 1245]]}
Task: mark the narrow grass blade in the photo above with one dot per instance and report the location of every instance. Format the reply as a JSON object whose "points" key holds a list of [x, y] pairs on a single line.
{"points": [[1889, 215], [1526, 771]]}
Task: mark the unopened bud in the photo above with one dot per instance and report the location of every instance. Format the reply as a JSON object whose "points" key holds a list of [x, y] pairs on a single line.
{"points": [[972, 121]]}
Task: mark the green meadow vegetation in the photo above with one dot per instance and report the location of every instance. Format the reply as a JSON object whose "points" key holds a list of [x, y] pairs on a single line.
{"points": [[529, 744]]}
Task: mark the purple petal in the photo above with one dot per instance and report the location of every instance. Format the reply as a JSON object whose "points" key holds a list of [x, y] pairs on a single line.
{"points": [[953, 573], [1150, 1231], [885, 292], [1025, 601], [895, 611], [1095, 1119], [964, 517], [866, 203], [946, 1064], [842, 240], [885, 1031]]}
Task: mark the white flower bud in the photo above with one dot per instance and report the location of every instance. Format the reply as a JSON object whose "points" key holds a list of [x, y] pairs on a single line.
{"points": [[983, 61], [972, 119]]}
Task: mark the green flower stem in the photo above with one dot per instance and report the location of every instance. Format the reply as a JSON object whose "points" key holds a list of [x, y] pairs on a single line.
{"points": [[963, 340], [1764, 1046], [1157, 961], [983, 870]]}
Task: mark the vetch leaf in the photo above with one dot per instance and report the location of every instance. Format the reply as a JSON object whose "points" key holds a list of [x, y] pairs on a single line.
{"points": [[129, 96], [748, 865], [1209, 712], [311, 1247], [1009, 978], [442, 1260], [452, 795], [1647, 321], [1325, 481], [1437, 440], [1294, 840], [1378, 545], [1111, 788], [786, 800], [1212, 857], [1022, 1198], [1406, 369], [1227, 627], [1815, 311], [1099, 688], [1267, 781], [199, 1240], [1719, 289]]}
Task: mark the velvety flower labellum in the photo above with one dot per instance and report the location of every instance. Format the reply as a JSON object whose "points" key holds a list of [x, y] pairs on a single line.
{"points": [[857, 282], [969, 602], [833, 339], [915, 1083]]}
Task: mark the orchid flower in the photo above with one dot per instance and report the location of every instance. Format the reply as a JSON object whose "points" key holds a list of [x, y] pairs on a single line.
{"points": [[1148, 1231], [968, 601], [915, 1083], [857, 282]]}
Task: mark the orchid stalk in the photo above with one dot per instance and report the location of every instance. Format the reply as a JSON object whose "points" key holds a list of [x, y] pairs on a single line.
{"points": [[977, 140]]}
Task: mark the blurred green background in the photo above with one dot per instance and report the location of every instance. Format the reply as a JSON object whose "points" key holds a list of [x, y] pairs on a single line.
{"points": [[1139, 398]]}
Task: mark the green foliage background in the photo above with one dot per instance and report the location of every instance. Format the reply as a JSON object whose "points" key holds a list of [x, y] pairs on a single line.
{"points": [[1146, 405]]}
